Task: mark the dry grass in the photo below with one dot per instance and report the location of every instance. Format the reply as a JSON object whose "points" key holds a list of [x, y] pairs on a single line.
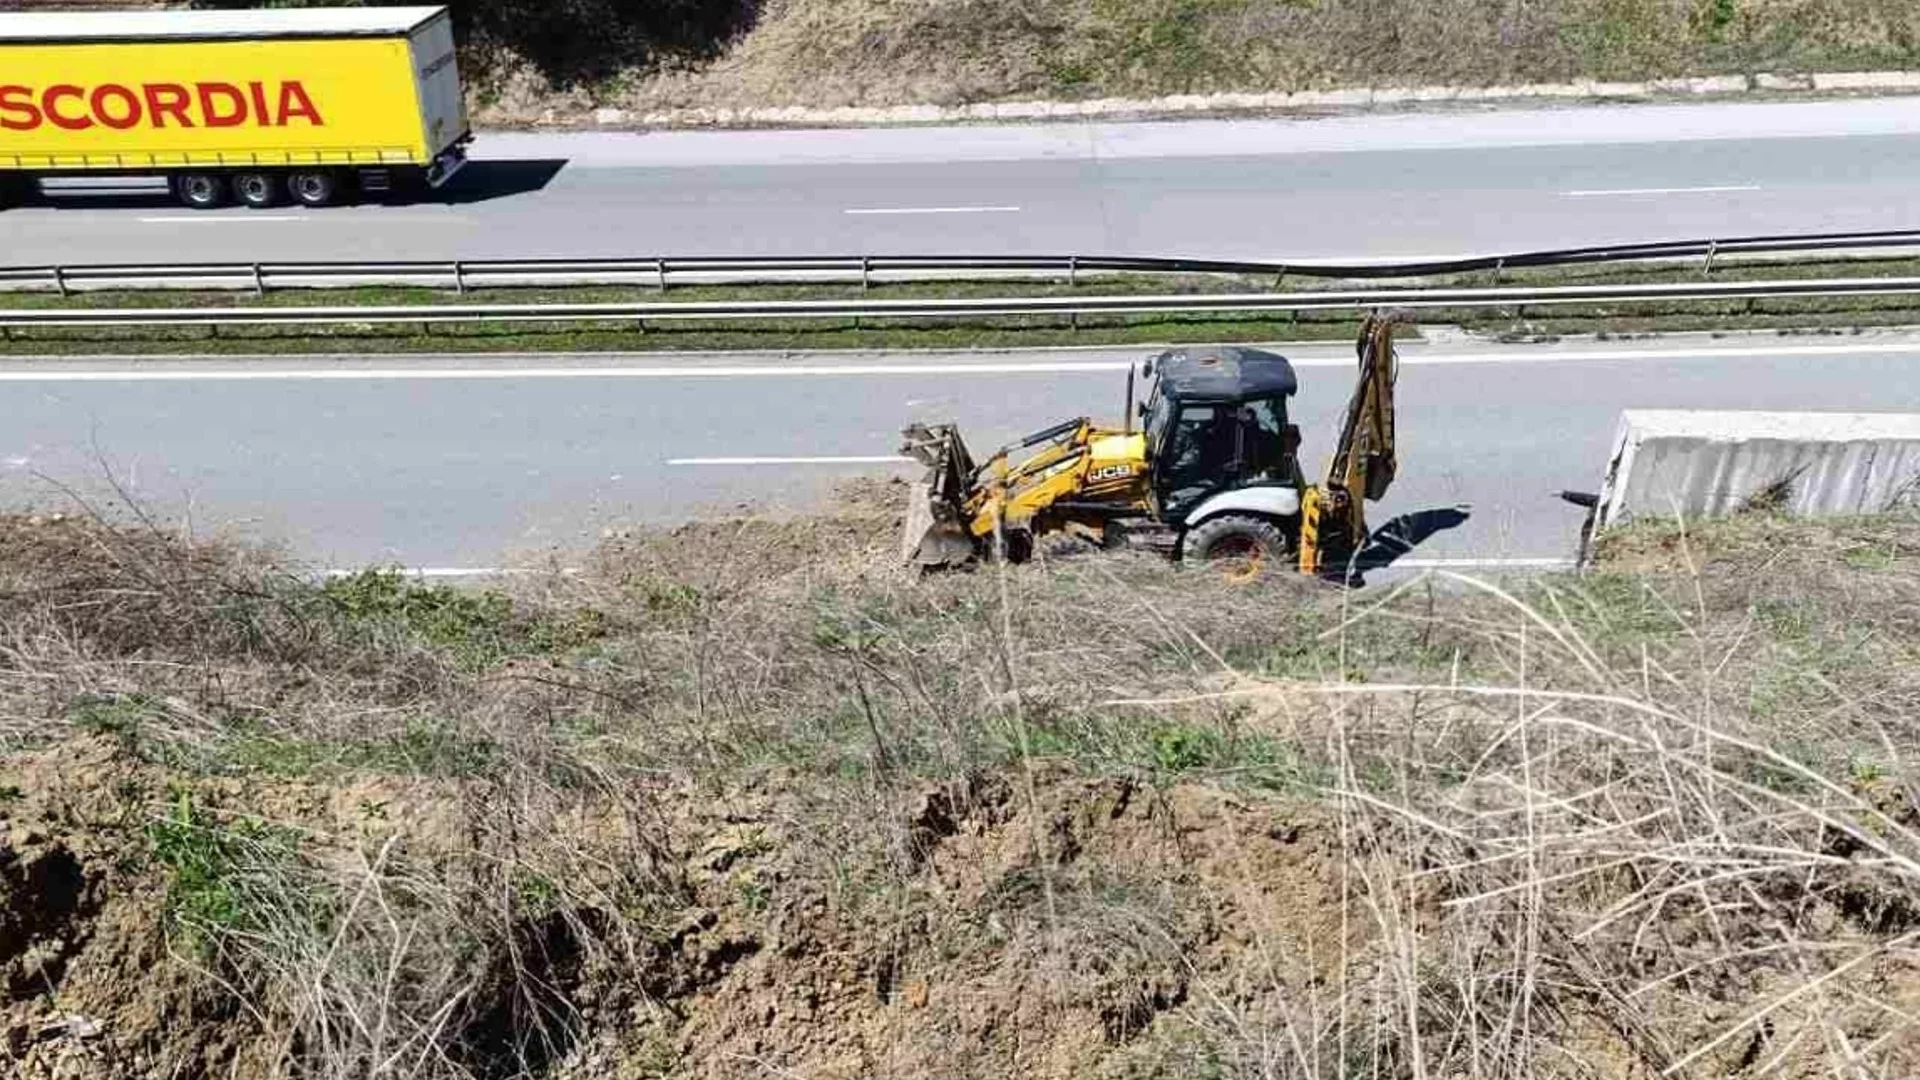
{"points": [[884, 52], [737, 803]]}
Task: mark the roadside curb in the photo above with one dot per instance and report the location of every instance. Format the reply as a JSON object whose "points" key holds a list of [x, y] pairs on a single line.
{"points": [[1763, 84]]}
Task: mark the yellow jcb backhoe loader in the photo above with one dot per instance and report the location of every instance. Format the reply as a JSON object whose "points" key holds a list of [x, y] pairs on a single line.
{"points": [[1213, 473]]}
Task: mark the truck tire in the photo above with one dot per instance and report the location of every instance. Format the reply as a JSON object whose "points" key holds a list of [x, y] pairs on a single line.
{"points": [[199, 190], [1246, 546], [256, 190], [314, 187]]}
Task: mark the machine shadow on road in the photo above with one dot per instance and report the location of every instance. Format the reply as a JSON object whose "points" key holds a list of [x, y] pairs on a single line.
{"points": [[1397, 536]]}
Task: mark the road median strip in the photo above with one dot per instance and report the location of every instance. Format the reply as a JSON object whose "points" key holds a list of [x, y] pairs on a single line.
{"points": [[1529, 303]]}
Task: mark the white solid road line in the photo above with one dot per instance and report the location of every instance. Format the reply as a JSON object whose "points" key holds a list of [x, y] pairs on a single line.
{"points": [[570, 571], [56, 372], [887, 459], [340, 215], [936, 210], [220, 219], [684, 371], [1543, 563], [452, 571], [1706, 190]]}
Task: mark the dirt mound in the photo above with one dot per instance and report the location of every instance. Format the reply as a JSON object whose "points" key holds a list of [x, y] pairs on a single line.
{"points": [[1024, 940], [1027, 935], [859, 532]]}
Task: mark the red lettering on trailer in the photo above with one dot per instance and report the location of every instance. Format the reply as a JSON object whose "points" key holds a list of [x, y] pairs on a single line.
{"points": [[212, 115], [121, 117], [295, 102], [49, 103], [157, 105], [168, 99], [17, 110]]}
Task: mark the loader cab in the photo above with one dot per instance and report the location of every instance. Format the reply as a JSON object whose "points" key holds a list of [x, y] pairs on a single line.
{"points": [[1215, 420]]}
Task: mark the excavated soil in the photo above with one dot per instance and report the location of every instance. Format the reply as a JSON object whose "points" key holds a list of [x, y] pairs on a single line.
{"points": [[1019, 938]]}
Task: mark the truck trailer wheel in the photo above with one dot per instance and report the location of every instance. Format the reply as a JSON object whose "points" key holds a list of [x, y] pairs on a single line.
{"points": [[315, 187], [1243, 546], [257, 190], [199, 191]]}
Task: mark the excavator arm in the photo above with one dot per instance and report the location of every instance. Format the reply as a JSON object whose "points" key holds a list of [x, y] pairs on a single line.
{"points": [[1333, 518]]}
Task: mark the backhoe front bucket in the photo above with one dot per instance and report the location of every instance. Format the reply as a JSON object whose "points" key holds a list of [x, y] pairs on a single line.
{"points": [[934, 531]]}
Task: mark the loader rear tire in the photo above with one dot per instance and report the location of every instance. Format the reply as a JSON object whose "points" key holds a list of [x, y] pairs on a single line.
{"points": [[1241, 546]]}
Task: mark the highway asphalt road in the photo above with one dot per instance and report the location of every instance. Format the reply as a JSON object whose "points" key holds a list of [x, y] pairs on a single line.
{"points": [[464, 462], [1374, 186]]}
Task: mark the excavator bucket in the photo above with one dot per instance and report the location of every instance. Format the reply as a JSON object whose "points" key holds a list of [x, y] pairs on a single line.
{"points": [[934, 532]]}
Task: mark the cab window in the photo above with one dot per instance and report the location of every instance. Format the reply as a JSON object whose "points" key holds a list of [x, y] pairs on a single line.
{"points": [[1199, 454], [1209, 447], [1263, 433]]}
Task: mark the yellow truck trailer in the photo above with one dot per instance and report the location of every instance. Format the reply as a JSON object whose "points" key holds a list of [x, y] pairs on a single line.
{"points": [[259, 107]]}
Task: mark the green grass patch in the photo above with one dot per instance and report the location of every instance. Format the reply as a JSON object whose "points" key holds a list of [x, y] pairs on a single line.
{"points": [[229, 879], [478, 627]]}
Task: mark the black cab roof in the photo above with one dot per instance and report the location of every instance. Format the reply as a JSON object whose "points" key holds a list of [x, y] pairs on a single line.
{"points": [[1224, 374]]}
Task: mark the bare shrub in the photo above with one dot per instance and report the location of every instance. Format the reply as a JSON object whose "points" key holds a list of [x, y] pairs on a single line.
{"points": [[1655, 820]]}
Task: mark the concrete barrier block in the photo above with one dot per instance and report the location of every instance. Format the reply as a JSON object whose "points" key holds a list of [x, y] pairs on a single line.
{"points": [[1719, 84], [1024, 110], [1695, 464], [1867, 80], [1331, 99]]}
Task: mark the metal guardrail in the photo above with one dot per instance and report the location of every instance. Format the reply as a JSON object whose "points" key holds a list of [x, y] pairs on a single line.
{"points": [[1192, 303], [664, 272]]}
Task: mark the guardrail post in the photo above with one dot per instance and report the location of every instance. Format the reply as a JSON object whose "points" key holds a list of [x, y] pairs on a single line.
{"points": [[1073, 271], [1713, 248], [459, 278], [60, 280], [866, 273], [660, 273], [1498, 267], [259, 282]]}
